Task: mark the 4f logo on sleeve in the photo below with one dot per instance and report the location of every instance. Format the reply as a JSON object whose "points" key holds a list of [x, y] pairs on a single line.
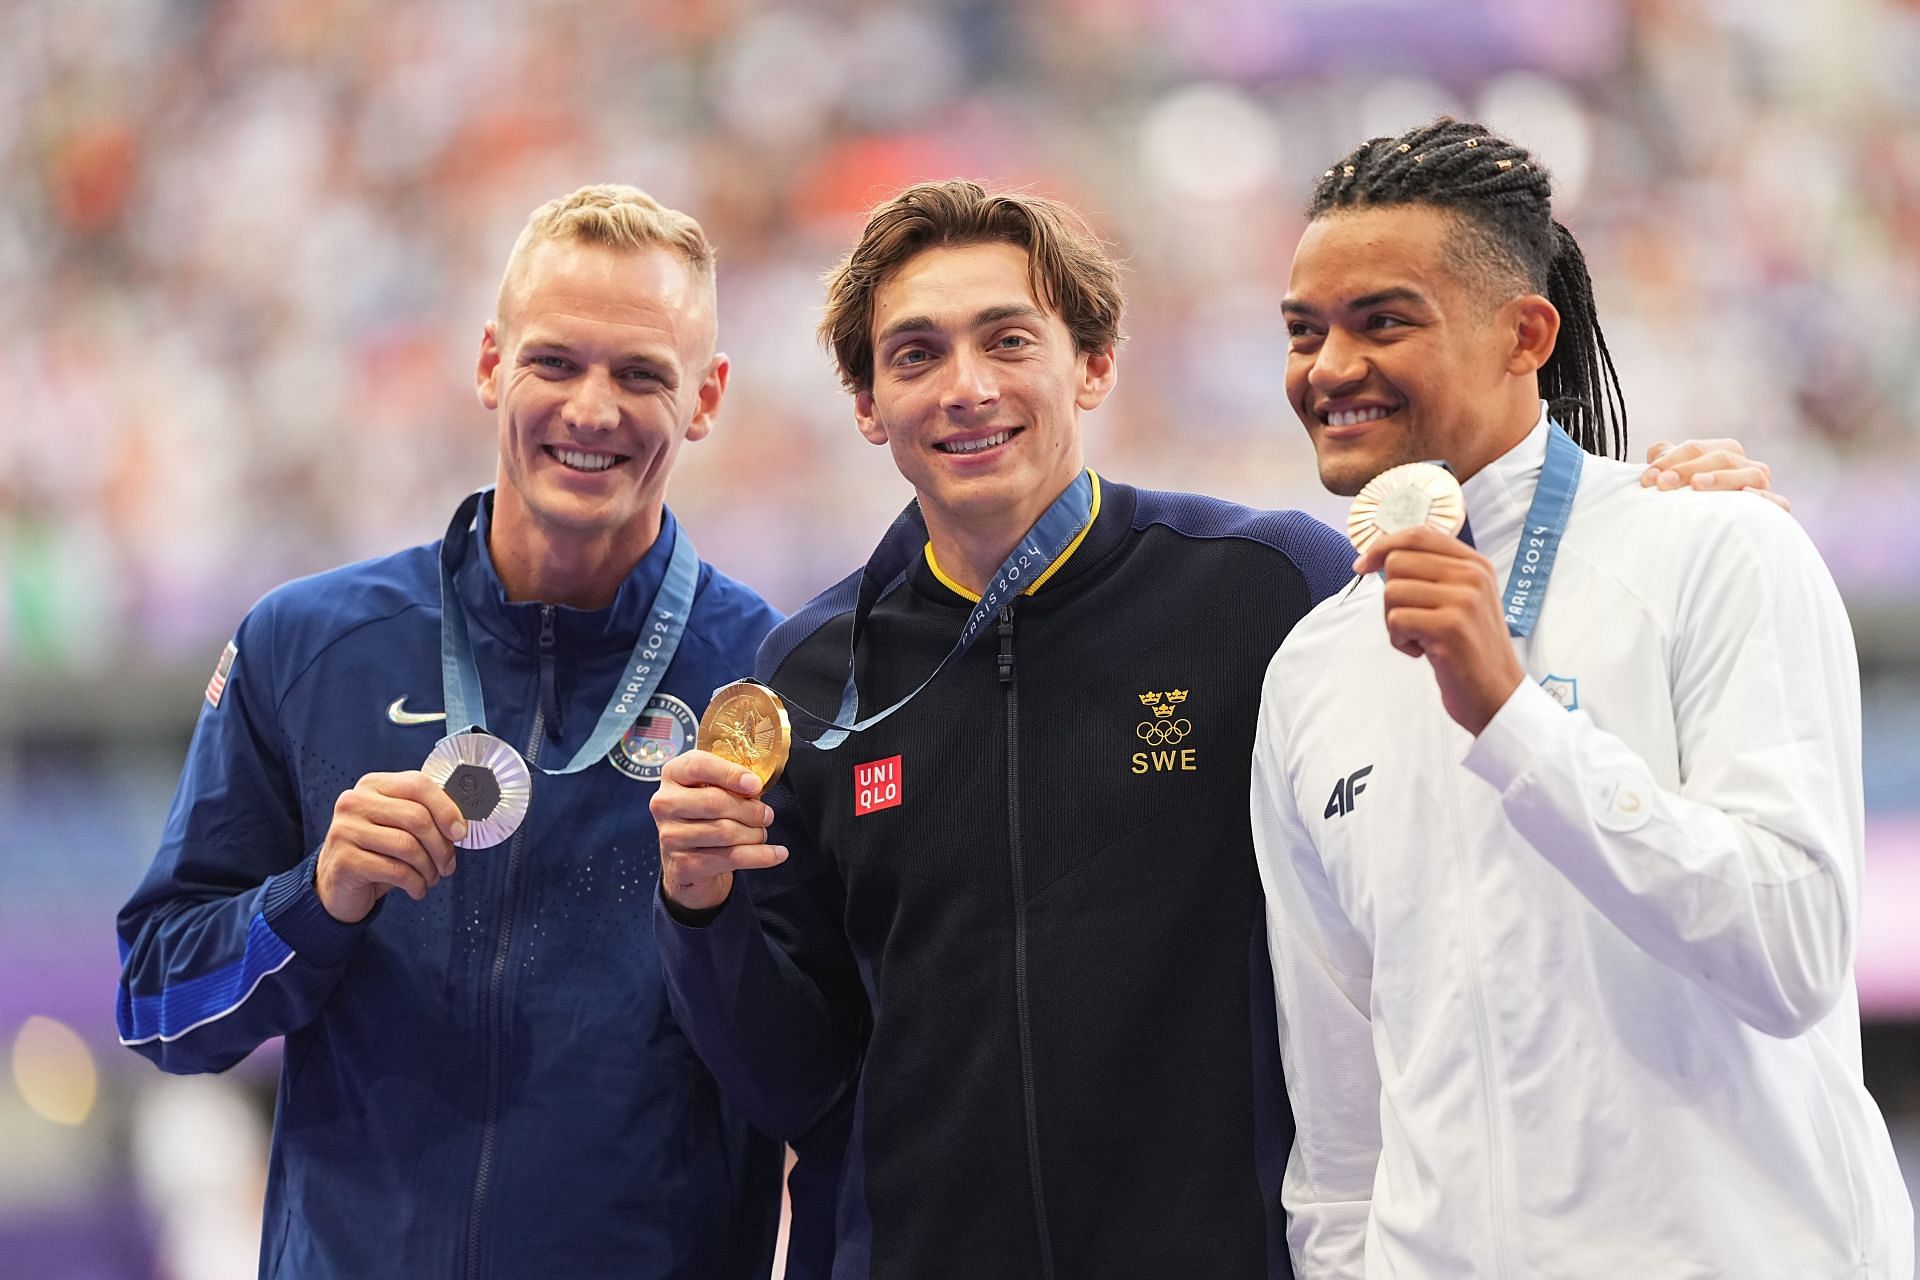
{"points": [[218, 685], [876, 785], [1346, 792]]}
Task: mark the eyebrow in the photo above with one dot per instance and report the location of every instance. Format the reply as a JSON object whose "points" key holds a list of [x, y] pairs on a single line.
{"points": [[990, 315], [1399, 293], [553, 346]]}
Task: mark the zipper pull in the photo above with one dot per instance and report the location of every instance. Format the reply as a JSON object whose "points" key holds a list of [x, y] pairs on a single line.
{"points": [[1006, 645], [549, 693]]}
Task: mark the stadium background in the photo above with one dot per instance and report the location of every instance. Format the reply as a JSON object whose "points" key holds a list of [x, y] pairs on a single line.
{"points": [[247, 246]]}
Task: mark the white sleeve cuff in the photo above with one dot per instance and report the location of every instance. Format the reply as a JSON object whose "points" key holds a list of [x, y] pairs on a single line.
{"points": [[1512, 741]]}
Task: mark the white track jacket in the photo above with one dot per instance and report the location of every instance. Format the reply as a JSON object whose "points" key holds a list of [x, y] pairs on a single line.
{"points": [[1576, 999]]}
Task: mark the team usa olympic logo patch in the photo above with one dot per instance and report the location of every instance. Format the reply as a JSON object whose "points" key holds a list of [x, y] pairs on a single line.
{"points": [[666, 727]]}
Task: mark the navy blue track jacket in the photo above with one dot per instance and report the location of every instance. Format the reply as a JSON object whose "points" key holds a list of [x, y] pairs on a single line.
{"points": [[487, 1083], [1016, 955]]}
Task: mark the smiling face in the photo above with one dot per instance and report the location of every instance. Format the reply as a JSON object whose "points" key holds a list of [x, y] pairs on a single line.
{"points": [[1396, 354], [977, 389], [600, 364]]}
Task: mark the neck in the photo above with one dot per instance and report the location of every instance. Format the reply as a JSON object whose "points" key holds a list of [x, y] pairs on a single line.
{"points": [[971, 547], [1495, 443], [542, 565], [971, 555]]}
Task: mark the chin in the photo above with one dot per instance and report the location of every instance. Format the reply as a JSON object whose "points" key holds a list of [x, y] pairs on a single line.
{"points": [[1346, 477], [1347, 471], [577, 513]]}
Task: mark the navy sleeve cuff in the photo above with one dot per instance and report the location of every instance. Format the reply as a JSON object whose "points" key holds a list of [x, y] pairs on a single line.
{"points": [[708, 954], [293, 910], [690, 917]]}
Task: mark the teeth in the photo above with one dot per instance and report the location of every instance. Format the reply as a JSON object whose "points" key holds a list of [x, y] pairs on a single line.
{"points": [[975, 446], [1353, 417], [585, 461]]}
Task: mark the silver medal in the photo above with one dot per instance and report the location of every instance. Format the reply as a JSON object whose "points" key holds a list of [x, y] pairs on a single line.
{"points": [[487, 779]]}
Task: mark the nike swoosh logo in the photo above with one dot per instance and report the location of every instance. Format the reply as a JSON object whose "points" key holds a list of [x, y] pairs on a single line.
{"points": [[399, 714]]}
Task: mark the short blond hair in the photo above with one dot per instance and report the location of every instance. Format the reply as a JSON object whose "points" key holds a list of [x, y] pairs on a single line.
{"points": [[616, 216], [1068, 265]]}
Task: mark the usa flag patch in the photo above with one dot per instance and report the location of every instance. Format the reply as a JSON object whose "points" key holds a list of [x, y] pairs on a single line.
{"points": [[218, 685]]}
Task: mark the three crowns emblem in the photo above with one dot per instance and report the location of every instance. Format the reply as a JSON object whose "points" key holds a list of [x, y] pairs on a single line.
{"points": [[1162, 704]]}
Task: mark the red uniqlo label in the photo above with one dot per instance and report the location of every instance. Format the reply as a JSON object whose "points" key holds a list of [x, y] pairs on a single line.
{"points": [[876, 785]]}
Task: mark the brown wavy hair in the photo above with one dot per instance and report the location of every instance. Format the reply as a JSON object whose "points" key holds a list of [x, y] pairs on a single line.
{"points": [[1070, 268]]}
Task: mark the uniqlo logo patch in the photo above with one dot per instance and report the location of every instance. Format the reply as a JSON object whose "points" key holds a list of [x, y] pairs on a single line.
{"points": [[876, 785]]}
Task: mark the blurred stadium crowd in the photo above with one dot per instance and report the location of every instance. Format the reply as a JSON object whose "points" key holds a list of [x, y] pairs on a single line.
{"points": [[247, 248]]}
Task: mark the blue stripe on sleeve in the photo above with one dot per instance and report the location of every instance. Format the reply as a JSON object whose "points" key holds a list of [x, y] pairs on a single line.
{"points": [[194, 1003]]}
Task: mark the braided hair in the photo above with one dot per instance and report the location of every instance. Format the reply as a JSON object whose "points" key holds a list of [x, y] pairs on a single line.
{"points": [[1505, 230]]}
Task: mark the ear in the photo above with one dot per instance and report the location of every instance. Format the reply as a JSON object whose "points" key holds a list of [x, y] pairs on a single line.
{"points": [[863, 417], [1098, 369], [712, 389], [489, 363], [1536, 328]]}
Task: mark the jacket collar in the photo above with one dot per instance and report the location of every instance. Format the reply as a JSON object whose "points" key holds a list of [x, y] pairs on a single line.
{"points": [[1112, 514], [1499, 494], [575, 631]]}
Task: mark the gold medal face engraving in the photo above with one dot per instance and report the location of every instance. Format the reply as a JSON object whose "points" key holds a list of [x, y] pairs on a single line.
{"points": [[487, 779], [746, 723], [1406, 497]]}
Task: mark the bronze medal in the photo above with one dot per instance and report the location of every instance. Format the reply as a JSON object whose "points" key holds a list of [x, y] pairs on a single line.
{"points": [[1405, 497]]}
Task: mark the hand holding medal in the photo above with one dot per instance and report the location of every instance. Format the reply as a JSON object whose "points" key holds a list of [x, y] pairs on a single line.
{"points": [[391, 831], [711, 819], [1442, 601], [489, 782]]}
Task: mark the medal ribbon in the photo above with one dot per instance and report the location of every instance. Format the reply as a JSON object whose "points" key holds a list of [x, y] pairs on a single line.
{"points": [[1038, 548], [646, 667], [1540, 536]]}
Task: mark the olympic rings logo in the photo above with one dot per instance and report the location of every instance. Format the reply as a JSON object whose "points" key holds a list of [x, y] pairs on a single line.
{"points": [[1162, 733]]}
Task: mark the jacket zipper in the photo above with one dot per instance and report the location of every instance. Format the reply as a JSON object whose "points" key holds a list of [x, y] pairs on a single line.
{"points": [[496, 985], [1020, 942], [1483, 1022]]}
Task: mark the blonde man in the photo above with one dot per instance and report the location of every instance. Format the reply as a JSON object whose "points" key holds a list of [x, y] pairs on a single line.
{"points": [[482, 1077]]}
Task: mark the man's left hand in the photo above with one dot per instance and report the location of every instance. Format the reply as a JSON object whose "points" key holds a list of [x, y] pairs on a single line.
{"points": [[1721, 465], [1443, 604]]}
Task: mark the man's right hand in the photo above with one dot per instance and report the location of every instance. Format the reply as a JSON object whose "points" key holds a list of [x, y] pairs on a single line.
{"points": [[393, 830], [712, 823]]}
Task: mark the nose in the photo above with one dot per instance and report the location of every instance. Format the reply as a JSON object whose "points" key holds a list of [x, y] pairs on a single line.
{"points": [[1338, 365], [972, 384], [592, 404]]}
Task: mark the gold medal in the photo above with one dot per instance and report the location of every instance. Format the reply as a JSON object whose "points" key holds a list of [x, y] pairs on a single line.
{"points": [[1406, 497], [746, 723]]}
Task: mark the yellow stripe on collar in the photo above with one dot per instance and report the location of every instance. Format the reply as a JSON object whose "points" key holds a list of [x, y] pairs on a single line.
{"points": [[1041, 581]]}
